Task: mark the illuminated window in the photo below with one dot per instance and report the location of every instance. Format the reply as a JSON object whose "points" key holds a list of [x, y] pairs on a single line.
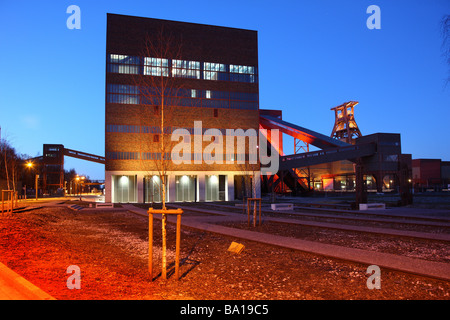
{"points": [[156, 67], [124, 188], [153, 189], [185, 188], [214, 71], [186, 69], [118, 63], [242, 73], [215, 186]]}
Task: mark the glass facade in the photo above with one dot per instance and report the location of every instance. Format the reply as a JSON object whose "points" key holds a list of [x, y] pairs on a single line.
{"points": [[153, 189], [215, 186], [124, 188], [186, 187]]}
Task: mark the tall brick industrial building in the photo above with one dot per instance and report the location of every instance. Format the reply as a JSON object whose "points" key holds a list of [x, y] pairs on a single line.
{"points": [[194, 73]]}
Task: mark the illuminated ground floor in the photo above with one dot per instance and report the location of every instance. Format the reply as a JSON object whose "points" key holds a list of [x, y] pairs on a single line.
{"points": [[145, 187]]}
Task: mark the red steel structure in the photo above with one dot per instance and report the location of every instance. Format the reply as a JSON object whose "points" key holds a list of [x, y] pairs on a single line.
{"points": [[376, 155]]}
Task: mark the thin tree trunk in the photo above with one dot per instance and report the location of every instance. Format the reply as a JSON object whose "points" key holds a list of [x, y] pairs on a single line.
{"points": [[163, 189], [6, 169], [164, 244]]}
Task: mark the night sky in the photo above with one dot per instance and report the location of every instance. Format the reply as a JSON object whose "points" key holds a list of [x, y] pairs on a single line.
{"points": [[313, 55]]}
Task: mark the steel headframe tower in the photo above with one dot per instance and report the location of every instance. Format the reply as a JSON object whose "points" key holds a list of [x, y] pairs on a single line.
{"points": [[345, 127]]}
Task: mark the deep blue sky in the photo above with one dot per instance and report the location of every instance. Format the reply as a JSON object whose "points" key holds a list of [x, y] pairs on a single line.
{"points": [[313, 55]]}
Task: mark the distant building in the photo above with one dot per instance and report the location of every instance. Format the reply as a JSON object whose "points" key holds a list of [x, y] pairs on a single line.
{"points": [[431, 174], [52, 167], [213, 76]]}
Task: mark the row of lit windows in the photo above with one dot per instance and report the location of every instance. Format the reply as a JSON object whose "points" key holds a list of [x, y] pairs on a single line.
{"points": [[156, 62], [156, 67], [215, 71], [242, 69], [186, 69], [180, 68]]}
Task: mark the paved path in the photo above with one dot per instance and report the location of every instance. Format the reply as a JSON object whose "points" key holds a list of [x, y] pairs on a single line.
{"points": [[390, 261]]}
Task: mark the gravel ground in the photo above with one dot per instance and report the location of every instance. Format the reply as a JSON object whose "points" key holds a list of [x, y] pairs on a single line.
{"points": [[110, 247], [415, 248]]}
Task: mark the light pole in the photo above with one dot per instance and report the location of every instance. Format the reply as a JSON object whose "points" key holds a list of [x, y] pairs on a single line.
{"points": [[30, 165], [77, 184], [36, 185], [80, 181], [72, 185]]}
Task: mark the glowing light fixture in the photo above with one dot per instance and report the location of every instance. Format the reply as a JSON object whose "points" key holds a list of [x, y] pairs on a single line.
{"points": [[184, 179], [123, 180]]}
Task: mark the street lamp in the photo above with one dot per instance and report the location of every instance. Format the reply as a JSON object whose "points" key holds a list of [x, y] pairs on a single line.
{"points": [[30, 165], [77, 184], [80, 181], [72, 186]]}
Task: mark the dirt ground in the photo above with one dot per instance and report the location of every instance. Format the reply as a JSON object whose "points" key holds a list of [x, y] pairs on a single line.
{"points": [[111, 250]]}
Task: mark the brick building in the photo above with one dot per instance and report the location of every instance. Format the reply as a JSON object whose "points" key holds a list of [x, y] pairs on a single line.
{"points": [[431, 174], [200, 76]]}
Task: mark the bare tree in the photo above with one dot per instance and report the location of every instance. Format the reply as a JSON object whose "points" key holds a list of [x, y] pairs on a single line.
{"points": [[8, 160], [11, 168], [161, 89]]}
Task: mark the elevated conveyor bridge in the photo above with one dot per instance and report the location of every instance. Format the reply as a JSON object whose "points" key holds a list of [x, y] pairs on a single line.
{"points": [[374, 154]]}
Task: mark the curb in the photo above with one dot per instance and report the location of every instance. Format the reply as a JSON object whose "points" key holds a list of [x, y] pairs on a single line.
{"points": [[15, 287]]}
